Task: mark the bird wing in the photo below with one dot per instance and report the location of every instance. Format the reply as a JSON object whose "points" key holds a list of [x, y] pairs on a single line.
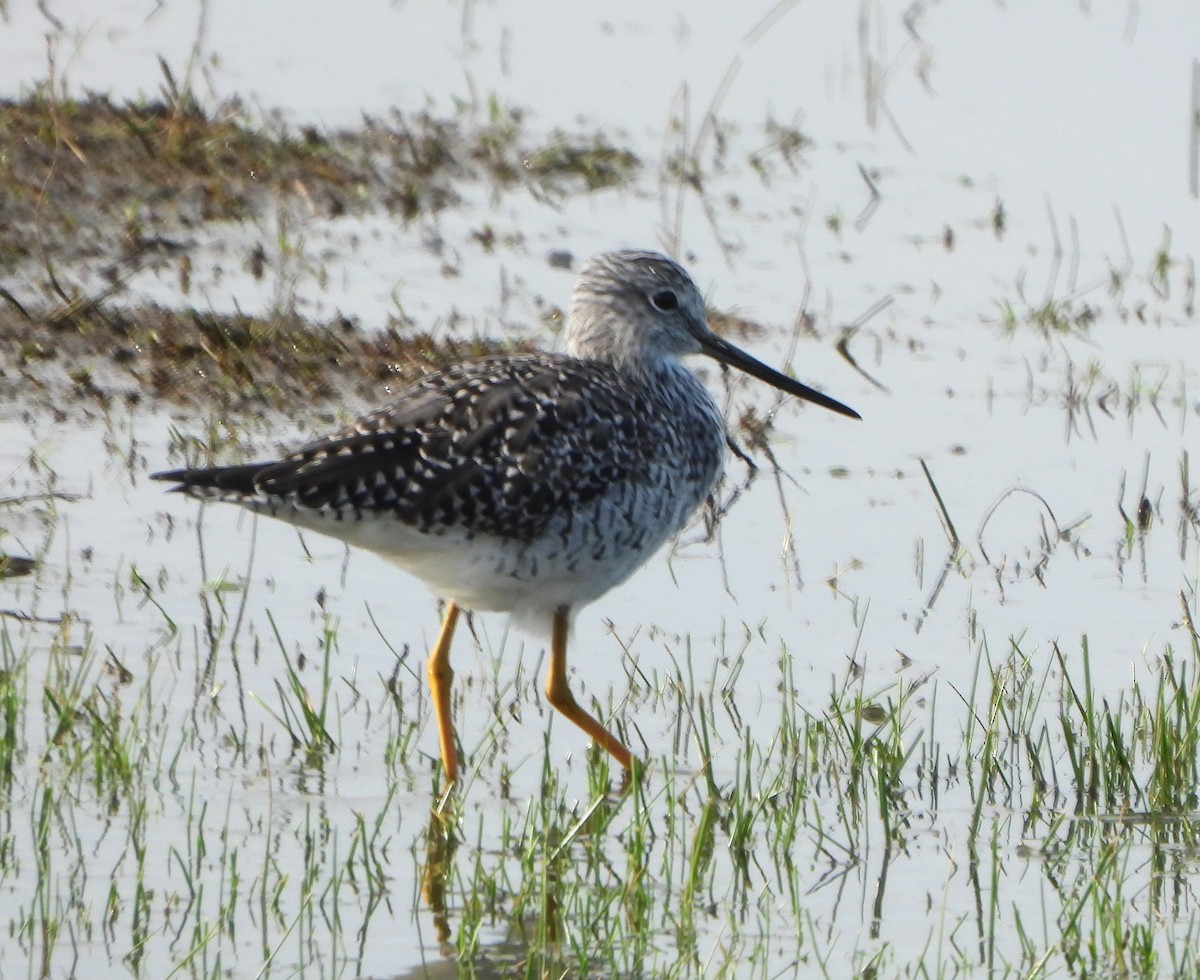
{"points": [[497, 446]]}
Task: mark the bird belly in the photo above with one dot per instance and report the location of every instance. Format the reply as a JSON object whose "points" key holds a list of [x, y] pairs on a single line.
{"points": [[578, 556]]}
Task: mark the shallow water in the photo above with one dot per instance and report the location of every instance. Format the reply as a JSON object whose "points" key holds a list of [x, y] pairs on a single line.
{"points": [[1076, 122]]}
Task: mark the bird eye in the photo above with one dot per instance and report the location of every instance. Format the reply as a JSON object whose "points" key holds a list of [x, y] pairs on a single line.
{"points": [[665, 300]]}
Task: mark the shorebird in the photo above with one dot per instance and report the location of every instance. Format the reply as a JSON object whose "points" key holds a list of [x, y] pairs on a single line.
{"points": [[527, 483]]}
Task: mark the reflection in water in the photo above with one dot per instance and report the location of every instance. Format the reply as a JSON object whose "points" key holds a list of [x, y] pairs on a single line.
{"points": [[533, 901], [440, 845]]}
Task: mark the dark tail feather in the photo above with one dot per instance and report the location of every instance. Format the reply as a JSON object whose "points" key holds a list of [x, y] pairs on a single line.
{"points": [[216, 480]]}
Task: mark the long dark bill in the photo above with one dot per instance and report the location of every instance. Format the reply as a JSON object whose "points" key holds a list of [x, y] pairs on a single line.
{"points": [[726, 353]]}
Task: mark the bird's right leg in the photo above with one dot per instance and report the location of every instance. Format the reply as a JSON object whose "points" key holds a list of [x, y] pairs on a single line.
{"points": [[558, 693], [440, 676]]}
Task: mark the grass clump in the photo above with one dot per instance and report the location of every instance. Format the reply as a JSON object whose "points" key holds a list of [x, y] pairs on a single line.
{"points": [[1051, 318], [82, 170], [92, 176], [101, 353], [597, 163]]}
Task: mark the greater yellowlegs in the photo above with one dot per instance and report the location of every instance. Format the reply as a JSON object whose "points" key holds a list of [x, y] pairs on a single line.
{"points": [[530, 484]]}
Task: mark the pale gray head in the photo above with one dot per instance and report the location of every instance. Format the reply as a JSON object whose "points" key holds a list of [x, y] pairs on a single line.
{"points": [[635, 310]]}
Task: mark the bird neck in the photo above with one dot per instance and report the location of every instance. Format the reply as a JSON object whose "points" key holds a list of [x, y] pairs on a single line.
{"points": [[594, 334]]}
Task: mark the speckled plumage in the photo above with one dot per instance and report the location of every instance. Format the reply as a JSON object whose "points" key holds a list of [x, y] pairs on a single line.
{"points": [[531, 484], [540, 468]]}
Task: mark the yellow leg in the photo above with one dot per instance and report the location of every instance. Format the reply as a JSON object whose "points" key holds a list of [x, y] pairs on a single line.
{"points": [[440, 676], [560, 696]]}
